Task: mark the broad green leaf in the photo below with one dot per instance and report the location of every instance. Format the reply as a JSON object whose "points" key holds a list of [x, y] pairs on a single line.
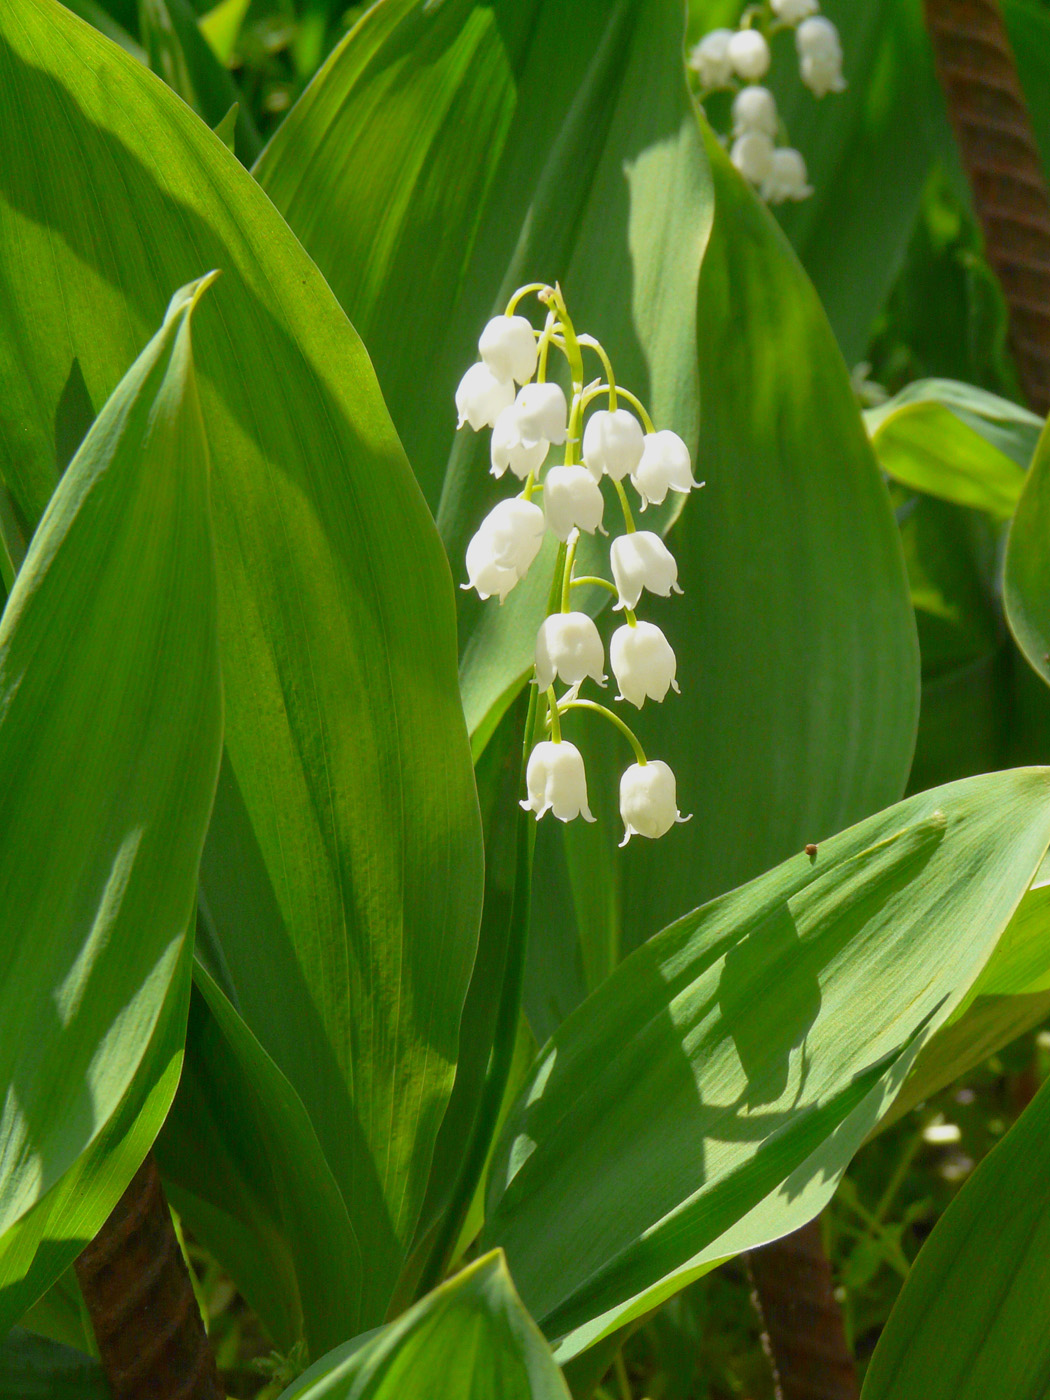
{"points": [[971, 1319], [110, 733], [33, 1368], [471, 1338], [1026, 582], [1006, 426], [104, 22], [714, 1088], [350, 770]]}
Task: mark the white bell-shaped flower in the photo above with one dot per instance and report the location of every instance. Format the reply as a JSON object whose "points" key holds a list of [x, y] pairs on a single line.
{"points": [[755, 109], [642, 560], [648, 800], [556, 782], [612, 443], [749, 55], [642, 662], [569, 648], [572, 500], [710, 60], [752, 155], [787, 177], [820, 56], [792, 11], [508, 346], [502, 551], [664, 467], [481, 397], [506, 448], [542, 413]]}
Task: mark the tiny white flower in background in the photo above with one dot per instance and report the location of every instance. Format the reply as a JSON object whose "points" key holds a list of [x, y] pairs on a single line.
{"points": [[664, 466], [648, 801], [481, 397], [787, 177], [791, 11], [754, 109], [502, 551], [508, 346], [642, 560], [710, 59], [612, 443], [643, 663], [556, 782], [749, 54], [820, 56], [506, 448], [572, 499], [542, 413], [753, 156], [569, 648]]}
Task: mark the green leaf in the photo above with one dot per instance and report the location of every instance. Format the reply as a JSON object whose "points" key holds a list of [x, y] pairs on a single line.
{"points": [[222, 25], [1026, 580], [471, 1338], [714, 1088], [970, 1320], [33, 1368], [352, 791], [110, 733]]}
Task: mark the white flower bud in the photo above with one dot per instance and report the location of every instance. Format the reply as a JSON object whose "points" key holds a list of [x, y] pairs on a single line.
{"points": [[506, 448], [749, 55], [820, 56], [753, 156], [556, 782], [664, 466], [572, 499], [648, 800], [643, 663], [710, 59], [755, 109], [502, 551], [542, 413], [612, 443], [786, 178], [508, 347], [568, 647], [642, 560], [791, 11], [481, 397]]}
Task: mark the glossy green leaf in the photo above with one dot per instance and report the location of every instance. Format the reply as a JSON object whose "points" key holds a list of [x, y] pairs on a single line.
{"points": [[352, 786], [471, 1338], [1026, 581], [33, 1368], [971, 1319], [714, 1088], [110, 732]]}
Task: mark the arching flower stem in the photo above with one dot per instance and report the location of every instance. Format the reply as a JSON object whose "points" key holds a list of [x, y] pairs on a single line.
{"points": [[553, 715], [595, 345], [628, 518], [566, 577], [627, 732], [523, 292]]}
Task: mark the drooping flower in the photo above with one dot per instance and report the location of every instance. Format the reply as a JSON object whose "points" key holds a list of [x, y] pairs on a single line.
{"points": [[749, 54], [612, 443], [572, 500], [752, 154], [820, 56], [481, 397], [648, 800], [642, 560], [543, 413], [787, 177], [755, 109], [710, 59], [664, 467], [569, 648], [792, 11], [506, 448], [642, 662], [556, 782], [508, 347], [501, 553]]}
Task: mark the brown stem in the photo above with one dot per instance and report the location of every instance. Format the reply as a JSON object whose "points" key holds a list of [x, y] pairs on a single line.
{"points": [[137, 1288], [804, 1337], [976, 68]]}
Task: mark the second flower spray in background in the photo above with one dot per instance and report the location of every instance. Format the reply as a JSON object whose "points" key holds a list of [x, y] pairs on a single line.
{"points": [[618, 444]]}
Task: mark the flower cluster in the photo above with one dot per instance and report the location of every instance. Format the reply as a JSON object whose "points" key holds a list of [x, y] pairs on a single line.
{"points": [[508, 391], [738, 59]]}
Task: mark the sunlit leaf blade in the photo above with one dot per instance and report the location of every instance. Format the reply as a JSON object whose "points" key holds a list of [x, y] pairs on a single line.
{"points": [[34, 1368], [1026, 581], [971, 1319], [471, 1338], [344, 731], [110, 733], [712, 1090]]}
